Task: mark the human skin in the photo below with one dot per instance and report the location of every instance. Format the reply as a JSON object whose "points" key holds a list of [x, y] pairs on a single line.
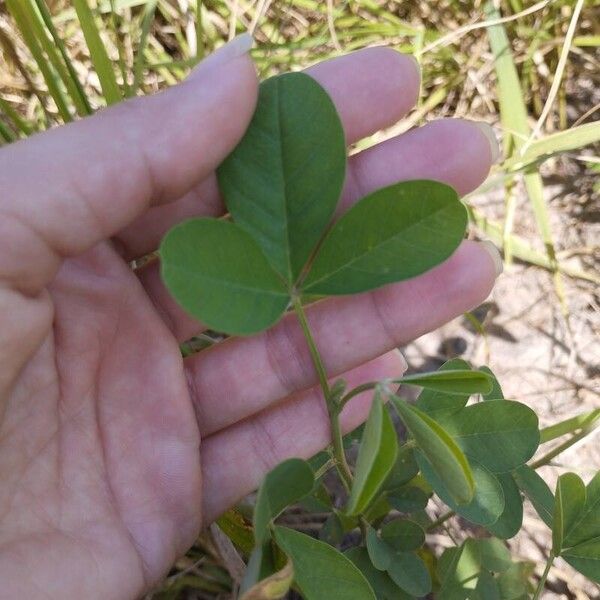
{"points": [[115, 451]]}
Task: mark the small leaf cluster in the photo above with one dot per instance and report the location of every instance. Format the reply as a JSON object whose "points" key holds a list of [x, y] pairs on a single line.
{"points": [[281, 186]]}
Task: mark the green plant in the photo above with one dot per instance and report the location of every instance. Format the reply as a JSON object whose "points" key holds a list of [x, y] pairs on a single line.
{"points": [[280, 250]]}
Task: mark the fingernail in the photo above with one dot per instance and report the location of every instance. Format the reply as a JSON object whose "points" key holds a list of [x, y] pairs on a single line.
{"points": [[495, 255], [238, 46], [491, 137]]}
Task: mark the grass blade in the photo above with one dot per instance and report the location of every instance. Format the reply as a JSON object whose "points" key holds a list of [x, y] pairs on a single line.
{"points": [[25, 20], [70, 78], [138, 67], [17, 121], [513, 114], [98, 54]]}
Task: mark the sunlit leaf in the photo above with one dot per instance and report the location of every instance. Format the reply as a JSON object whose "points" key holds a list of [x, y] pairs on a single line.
{"points": [[393, 234], [537, 492], [282, 182]]}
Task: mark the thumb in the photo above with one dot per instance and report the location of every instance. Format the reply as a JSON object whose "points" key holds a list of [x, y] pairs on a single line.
{"points": [[65, 190]]}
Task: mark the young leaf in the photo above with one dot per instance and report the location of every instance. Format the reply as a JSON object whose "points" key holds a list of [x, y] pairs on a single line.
{"points": [[502, 435], [287, 483], [376, 457], [585, 558], [537, 491], [510, 521], [320, 571], [395, 233], [403, 535], [587, 524], [455, 382], [488, 501], [438, 405], [283, 181], [218, 274], [445, 456], [384, 587], [569, 501]]}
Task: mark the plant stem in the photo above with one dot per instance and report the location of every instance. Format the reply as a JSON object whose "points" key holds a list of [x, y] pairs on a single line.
{"points": [[547, 458], [332, 409], [441, 520], [542, 582]]}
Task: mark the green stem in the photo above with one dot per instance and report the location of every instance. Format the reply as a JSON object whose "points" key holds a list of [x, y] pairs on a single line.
{"points": [[332, 409], [441, 520], [542, 582], [547, 458]]}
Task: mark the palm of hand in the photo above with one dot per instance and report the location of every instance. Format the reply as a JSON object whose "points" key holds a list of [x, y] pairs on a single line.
{"points": [[99, 445], [102, 484]]}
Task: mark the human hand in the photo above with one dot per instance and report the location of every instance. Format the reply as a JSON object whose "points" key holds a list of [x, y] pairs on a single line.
{"points": [[104, 480]]}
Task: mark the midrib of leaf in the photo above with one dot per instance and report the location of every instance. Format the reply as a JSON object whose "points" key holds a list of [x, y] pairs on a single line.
{"points": [[383, 243], [285, 194], [230, 284]]}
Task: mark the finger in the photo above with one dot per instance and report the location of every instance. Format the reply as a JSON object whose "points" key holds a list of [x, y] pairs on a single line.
{"points": [[371, 89], [454, 151], [241, 376], [234, 461], [67, 189]]}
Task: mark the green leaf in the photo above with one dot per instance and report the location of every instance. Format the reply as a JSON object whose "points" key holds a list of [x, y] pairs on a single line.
{"points": [[98, 54], [283, 181], [409, 572], [382, 584], [287, 483], [446, 458], [510, 521], [218, 274], [395, 233], [405, 468], [454, 382], [403, 535], [376, 457], [488, 501], [502, 435], [379, 552], [514, 582], [260, 566], [487, 588], [438, 405], [320, 571], [496, 392], [569, 502], [537, 491], [587, 524], [585, 558], [408, 499]]}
